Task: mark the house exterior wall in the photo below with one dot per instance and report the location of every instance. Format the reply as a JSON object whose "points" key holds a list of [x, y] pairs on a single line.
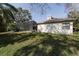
{"points": [[55, 28]]}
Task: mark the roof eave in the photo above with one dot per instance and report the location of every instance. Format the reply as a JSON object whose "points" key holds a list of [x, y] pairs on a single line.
{"points": [[57, 22]]}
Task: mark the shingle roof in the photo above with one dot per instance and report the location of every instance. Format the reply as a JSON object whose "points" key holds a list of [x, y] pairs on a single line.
{"points": [[58, 20]]}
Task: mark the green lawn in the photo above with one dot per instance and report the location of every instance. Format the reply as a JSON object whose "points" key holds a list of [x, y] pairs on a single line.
{"points": [[38, 44]]}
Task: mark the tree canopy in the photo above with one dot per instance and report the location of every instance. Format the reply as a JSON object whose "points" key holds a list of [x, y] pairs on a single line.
{"points": [[6, 15]]}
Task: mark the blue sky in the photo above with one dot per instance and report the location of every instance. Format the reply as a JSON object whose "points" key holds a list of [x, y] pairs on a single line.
{"points": [[57, 11]]}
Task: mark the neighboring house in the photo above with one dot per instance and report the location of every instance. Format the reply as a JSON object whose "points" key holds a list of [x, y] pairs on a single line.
{"points": [[56, 25], [31, 26], [27, 26]]}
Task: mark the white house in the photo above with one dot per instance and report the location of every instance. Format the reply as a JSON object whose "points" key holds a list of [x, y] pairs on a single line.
{"points": [[56, 25]]}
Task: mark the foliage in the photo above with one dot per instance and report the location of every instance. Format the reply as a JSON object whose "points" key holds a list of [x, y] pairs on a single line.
{"points": [[6, 15], [76, 25], [40, 8], [11, 26], [74, 15], [22, 18]]}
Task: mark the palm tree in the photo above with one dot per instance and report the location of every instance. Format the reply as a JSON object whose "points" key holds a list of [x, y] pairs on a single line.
{"points": [[6, 15]]}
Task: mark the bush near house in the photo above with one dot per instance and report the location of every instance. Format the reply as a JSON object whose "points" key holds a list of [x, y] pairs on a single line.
{"points": [[38, 44]]}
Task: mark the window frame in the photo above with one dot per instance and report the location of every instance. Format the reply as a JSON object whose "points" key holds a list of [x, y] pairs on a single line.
{"points": [[66, 25]]}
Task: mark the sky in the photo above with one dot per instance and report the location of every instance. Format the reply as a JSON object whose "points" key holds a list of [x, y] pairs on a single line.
{"points": [[57, 11]]}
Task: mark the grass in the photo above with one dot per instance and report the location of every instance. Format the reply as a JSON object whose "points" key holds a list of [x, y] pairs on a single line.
{"points": [[38, 44]]}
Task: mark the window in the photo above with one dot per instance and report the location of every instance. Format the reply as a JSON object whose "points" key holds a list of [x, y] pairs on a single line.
{"points": [[51, 27], [66, 26]]}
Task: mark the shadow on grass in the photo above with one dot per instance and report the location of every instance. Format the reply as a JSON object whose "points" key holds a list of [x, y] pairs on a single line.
{"points": [[12, 38], [51, 46]]}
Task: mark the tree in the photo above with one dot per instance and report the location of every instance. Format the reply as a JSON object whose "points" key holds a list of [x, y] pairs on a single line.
{"points": [[22, 19], [74, 15], [6, 15], [44, 7], [41, 8]]}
